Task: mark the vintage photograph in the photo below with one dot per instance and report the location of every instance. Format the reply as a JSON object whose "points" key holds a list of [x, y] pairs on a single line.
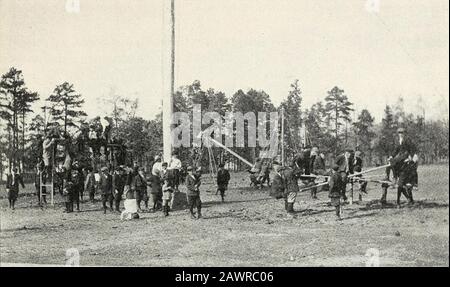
{"points": [[224, 133]]}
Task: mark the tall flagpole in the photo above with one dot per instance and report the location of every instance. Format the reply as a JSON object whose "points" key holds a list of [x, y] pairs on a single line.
{"points": [[168, 76]]}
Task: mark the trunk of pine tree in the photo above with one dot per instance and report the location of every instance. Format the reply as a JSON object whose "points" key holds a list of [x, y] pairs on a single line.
{"points": [[23, 139], [14, 149], [10, 150], [336, 126], [65, 119]]}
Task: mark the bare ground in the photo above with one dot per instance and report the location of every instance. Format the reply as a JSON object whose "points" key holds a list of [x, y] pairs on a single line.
{"points": [[249, 229]]}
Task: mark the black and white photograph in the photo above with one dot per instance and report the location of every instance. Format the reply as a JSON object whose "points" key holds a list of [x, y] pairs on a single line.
{"points": [[225, 134]]}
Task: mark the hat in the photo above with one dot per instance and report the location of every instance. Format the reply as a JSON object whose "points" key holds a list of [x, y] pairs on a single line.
{"points": [[164, 164], [349, 149], [189, 168], [221, 165], [275, 163], [104, 168], [400, 130], [157, 157]]}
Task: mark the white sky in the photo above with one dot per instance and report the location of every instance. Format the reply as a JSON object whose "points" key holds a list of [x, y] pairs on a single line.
{"points": [[231, 44]]}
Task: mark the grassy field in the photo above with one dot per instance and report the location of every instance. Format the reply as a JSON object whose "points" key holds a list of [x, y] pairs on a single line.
{"points": [[249, 229]]}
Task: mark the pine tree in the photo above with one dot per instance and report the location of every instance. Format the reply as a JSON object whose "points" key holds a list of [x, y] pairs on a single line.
{"points": [[337, 108], [66, 108]]}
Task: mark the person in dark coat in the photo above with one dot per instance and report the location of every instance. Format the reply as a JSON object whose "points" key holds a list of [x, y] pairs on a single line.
{"points": [[118, 184], [345, 163], [68, 192], [139, 185], [105, 187], [77, 186], [335, 182], [193, 193], [404, 165], [89, 184], [12, 187], [223, 177]]}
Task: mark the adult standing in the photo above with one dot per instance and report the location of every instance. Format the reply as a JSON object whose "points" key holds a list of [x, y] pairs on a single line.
{"points": [[175, 165], [12, 187], [156, 191], [105, 186], [404, 164], [345, 163]]}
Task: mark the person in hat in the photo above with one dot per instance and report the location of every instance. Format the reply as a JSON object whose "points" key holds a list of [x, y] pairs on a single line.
{"points": [[156, 191], [105, 187], [335, 189], [89, 184], [404, 165], [118, 184], [139, 185], [285, 185], [12, 187], [223, 177], [77, 186], [193, 193], [345, 162]]}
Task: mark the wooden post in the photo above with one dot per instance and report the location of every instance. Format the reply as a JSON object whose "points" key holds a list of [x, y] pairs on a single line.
{"points": [[168, 76]]}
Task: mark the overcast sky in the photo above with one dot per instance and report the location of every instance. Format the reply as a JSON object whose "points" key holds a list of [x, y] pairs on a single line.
{"points": [[116, 45]]}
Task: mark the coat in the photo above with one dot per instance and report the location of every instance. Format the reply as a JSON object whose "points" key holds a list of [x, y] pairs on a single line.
{"points": [[105, 184], [223, 177], [193, 183], [13, 185], [335, 184], [118, 183], [290, 181], [318, 165], [139, 183], [401, 153], [344, 164]]}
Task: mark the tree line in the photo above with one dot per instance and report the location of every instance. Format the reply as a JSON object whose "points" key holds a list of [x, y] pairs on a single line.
{"points": [[330, 124]]}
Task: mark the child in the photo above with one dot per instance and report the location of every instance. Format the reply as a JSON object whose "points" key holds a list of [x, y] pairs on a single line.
{"points": [[335, 184], [193, 185], [167, 196], [223, 177]]}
